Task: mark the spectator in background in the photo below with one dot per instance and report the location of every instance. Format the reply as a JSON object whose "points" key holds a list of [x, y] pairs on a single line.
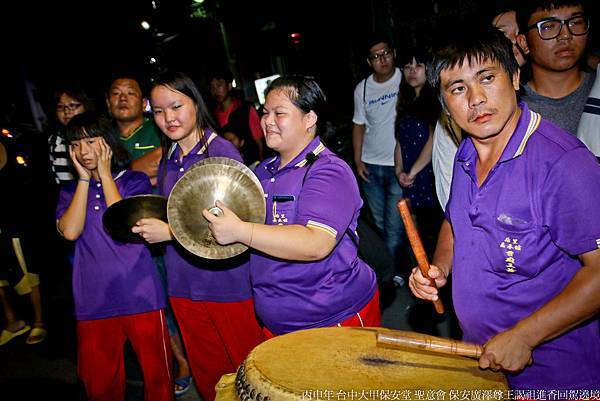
{"points": [[555, 33], [21, 261], [589, 125], [68, 101], [506, 21], [232, 109], [417, 111], [140, 136], [446, 138], [373, 139], [240, 137]]}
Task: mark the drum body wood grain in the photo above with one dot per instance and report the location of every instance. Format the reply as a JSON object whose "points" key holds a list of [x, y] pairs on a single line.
{"points": [[345, 363]]}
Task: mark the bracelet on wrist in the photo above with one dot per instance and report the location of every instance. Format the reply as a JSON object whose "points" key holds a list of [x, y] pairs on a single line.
{"points": [[84, 179]]}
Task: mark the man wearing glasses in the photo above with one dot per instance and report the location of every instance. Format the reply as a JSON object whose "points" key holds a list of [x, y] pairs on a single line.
{"points": [[374, 142], [555, 32]]}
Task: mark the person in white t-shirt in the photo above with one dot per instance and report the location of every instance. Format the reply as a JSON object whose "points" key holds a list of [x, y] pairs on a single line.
{"points": [[373, 140]]}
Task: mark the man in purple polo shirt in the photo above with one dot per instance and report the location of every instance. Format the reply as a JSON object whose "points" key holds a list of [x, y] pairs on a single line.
{"points": [[522, 234]]}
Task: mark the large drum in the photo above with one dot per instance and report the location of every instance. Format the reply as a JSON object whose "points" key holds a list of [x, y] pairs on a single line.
{"points": [[345, 364]]}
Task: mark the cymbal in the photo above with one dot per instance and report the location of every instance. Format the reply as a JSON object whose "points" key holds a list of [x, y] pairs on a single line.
{"points": [[122, 215], [212, 179]]}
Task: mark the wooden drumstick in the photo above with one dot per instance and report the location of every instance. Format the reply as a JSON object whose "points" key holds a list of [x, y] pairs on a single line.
{"points": [[417, 247], [407, 339]]}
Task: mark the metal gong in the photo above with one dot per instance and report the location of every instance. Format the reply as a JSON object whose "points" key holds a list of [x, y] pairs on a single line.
{"points": [[122, 215], [212, 179]]}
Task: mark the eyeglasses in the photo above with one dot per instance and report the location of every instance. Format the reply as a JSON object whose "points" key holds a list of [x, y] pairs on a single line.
{"points": [[62, 108], [385, 54], [550, 28]]}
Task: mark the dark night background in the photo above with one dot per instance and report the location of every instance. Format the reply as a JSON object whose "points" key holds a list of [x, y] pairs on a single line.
{"points": [[89, 41]]}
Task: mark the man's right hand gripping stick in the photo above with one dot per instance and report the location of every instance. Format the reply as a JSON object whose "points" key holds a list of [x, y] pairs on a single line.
{"points": [[417, 247]]}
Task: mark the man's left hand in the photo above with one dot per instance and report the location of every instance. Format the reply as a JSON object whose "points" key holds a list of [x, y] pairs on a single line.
{"points": [[508, 351]]}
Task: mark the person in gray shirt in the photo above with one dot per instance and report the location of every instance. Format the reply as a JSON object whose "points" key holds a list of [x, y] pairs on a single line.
{"points": [[555, 33]]}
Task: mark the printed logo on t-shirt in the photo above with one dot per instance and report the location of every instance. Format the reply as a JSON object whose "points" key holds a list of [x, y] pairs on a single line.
{"points": [[383, 99], [598, 243], [510, 246]]}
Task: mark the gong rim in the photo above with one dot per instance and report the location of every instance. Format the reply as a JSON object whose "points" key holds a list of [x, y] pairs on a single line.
{"points": [[121, 216], [211, 179]]}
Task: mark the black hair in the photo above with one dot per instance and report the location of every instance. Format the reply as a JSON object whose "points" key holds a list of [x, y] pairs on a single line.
{"points": [[420, 56], [249, 149], [426, 106], [497, 8], [221, 73], [470, 46], [376, 38], [182, 83], [304, 92], [75, 92], [92, 125], [142, 83], [528, 7]]}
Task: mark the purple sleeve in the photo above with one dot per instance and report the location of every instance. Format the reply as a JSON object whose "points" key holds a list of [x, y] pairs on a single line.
{"points": [[135, 183], [569, 201], [64, 199], [329, 196]]}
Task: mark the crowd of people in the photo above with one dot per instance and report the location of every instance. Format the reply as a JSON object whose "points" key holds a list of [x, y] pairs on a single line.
{"points": [[480, 134]]}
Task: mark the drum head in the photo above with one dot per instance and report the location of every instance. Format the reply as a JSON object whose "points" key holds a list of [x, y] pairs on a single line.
{"points": [[347, 361]]}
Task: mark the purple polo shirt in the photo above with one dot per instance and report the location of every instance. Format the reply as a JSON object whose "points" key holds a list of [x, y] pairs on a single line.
{"points": [[516, 241], [189, 276], [292, 295], [111, 278]]}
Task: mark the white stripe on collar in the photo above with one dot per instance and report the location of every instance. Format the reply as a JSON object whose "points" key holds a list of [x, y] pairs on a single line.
{"points": [[534, 122], [119, 175], [173, 146], [317, 150], [208, 141], [202, 149]]}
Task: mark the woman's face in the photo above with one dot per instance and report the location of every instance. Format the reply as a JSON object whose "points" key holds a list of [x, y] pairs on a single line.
{"points": [[67, 108], [414, 73], [285, 126], [86, 151], [174, 113]]}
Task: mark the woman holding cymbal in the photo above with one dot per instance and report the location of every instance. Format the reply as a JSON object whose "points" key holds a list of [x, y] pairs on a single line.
{"points": [[305, 269]]}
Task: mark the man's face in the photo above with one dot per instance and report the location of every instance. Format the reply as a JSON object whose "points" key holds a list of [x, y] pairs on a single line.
{"points": [[561, 53], [480, 97], [382, 59], [125, 100], [219, 89]]}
